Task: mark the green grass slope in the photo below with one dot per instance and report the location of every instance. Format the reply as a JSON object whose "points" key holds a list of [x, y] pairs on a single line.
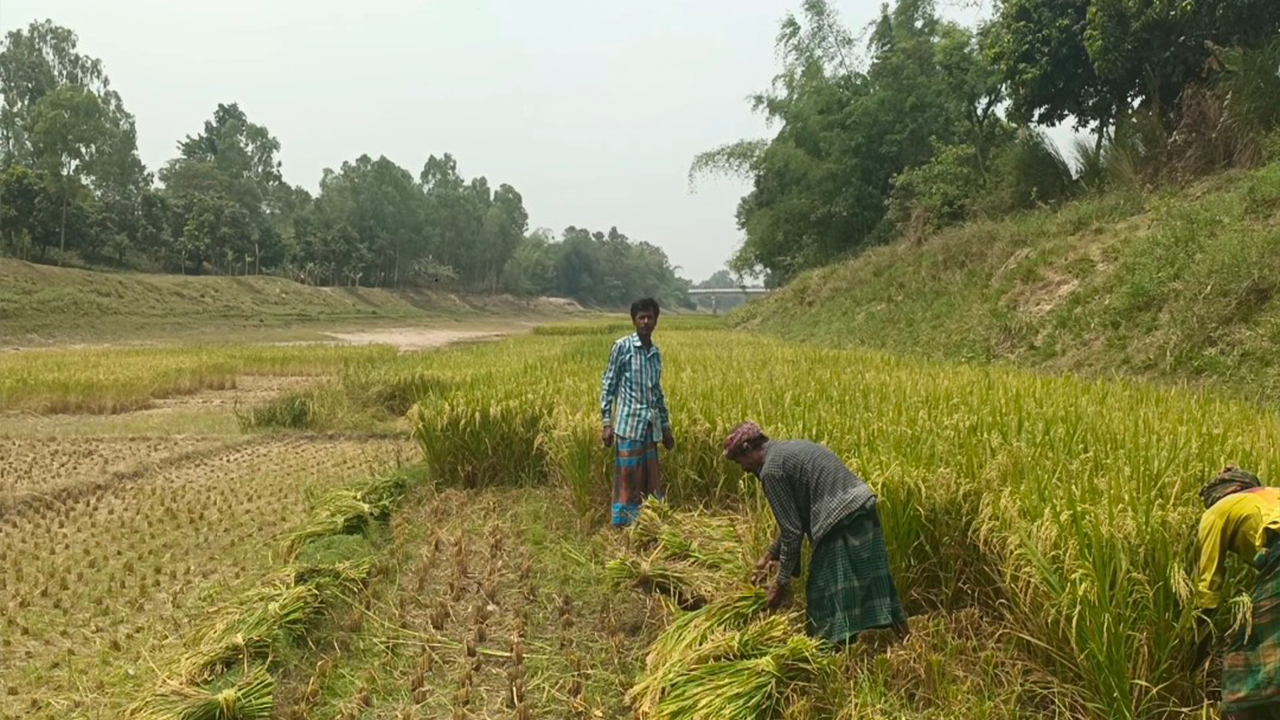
{"points": [[1179, 285], [44, 303]]}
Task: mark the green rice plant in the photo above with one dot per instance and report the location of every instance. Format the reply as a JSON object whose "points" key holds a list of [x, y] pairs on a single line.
{"points": [[952, 665], [393, 386], [244, 696], [292, 411], [623, 326], [575, 459]]}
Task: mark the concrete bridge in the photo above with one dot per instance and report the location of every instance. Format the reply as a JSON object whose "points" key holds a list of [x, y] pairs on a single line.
{"points": [[742, 291]]}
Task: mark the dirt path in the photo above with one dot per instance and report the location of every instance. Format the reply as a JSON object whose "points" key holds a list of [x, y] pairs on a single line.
{"points": [[405, 337], [421, 338]]}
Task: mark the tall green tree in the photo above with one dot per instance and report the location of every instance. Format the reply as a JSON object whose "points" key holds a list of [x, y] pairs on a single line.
{"points": [[820, 185], [473, 229], [229, 167], [374, 212], [59, 115], [67, 134], [34, 63], [1094, 60]]}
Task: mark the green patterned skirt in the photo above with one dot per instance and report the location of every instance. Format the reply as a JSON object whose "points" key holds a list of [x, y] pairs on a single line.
{"points": [[1251, 668], [850, 588]]}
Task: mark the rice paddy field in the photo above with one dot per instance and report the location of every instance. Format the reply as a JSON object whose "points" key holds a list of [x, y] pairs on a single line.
{"points": [[295, 532]]}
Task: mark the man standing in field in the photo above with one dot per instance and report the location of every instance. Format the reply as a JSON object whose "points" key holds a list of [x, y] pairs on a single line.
{"points": [[1242, 517], [813, 494], [635, 414]]}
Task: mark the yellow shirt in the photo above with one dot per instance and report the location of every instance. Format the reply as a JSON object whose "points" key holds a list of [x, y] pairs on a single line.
{"points": [[1236, 523]]}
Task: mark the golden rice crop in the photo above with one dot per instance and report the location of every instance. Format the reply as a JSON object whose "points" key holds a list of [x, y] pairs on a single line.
{"points": [[1067, 505], [118, 379]]}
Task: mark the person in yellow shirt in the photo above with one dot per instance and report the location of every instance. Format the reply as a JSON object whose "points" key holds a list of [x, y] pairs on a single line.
{"points": [[1243, 517]]}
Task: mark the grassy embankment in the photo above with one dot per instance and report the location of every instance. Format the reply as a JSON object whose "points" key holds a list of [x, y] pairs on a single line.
{"points": [[42, 305], [1177, 285]]}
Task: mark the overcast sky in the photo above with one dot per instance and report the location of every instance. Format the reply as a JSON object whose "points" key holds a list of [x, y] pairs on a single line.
{"points": [[592, 109]]}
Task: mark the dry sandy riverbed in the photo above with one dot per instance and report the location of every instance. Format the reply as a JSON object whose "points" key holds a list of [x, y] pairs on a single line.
{"points": [[419, 338]]}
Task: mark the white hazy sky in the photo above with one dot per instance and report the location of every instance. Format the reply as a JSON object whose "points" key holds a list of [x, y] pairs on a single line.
{"points": [[592, 109]]}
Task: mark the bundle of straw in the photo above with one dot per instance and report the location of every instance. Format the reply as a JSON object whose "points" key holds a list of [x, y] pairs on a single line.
{"points": [[730, 631], [728, 660], [385, 491]]}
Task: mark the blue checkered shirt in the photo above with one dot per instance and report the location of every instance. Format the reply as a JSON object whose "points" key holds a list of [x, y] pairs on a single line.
{"points": [[631, 397]]}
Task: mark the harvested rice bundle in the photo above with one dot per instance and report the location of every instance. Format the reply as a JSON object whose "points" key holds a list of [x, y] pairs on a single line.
{"points": [[655, 515], [249, 697], [687, 584], [713, 552], [341, 561], [259, 622], [761, 637], [693, 629], [748, 689], [338, 513], [347, 575], [386, 491], [709, 540]]}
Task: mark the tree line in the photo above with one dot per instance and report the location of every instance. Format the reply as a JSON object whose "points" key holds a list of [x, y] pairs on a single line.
{"points": [[926, 123], [73, 189]]}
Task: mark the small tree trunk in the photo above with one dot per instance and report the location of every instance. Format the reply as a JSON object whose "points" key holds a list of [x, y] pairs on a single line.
{"points": [[62, 239]]}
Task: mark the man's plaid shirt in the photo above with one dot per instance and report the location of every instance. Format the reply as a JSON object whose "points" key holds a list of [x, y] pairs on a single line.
{"points": [[631, 398]]}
